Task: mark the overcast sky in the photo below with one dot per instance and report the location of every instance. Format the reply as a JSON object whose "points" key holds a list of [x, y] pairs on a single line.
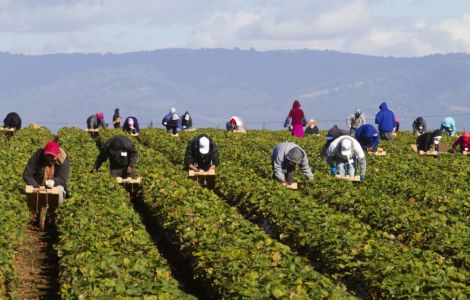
{"points": [[376, 27]]}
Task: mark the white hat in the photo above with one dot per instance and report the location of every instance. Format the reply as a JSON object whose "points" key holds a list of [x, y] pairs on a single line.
{"points": [[204, 145], [346, 147], [186, 117], [437, 139], [175, 117], [172, 110]]}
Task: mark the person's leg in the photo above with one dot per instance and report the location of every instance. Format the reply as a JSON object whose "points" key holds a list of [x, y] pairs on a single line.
{"points": [[62, 194], [351, 169], [116, 172], [341, 167], [290, 174]]}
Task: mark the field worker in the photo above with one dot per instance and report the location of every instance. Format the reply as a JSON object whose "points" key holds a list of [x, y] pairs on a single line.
{"points": [[396, 127], [122, 157], [343, 155], [312, 127], [186, 121], [201, 154], [12, 120], [95, 121], [333, 133], [49, 167], [284, 157], [448, 126], [429, 140], [175, 124], [166, 121], [463, 141], [419, 126], [386, 121], [235, 123], [117, 118], [296, 120], [355, 121], [131, 125], [368, 137]]}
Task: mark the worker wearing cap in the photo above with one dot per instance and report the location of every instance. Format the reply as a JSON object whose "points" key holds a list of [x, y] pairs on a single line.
{"points": [[202, 153], [235, 123], [95, 121], [131, 125], [12, 120], [186, 121], [166, 121], [284, 158], [343, 154], [50, 167], [122, 157], [429, 140], [175, 124], [355, 121]]}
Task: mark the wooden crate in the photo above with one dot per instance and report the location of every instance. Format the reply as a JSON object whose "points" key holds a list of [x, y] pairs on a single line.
{"points": [[356, 178], [292, 186], [129, 180], [191, 173]]}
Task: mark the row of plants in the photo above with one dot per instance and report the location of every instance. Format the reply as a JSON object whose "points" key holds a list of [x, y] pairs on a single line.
{"points": [[363, 257], [412, 224], [233, 258], [15, 217], [104, 249]]}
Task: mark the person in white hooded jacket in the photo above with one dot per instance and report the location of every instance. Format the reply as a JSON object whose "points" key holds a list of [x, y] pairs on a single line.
{"points": [[343, 154]]}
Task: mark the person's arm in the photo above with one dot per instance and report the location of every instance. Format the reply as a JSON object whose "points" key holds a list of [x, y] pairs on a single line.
{"points": [[277, 165], [133, 155], [453, 129], [378, 118], [305, 168], [188, 156], [287, 122], [62, 173], [362, 119], [363, 165], [456, 143], [349, 122], [102, 157], [29, 170], [215, 154]]}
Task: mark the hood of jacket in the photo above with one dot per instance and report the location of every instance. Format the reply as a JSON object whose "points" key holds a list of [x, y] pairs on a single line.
{"points": [[296, 104], [435, 133], [383, 106]]}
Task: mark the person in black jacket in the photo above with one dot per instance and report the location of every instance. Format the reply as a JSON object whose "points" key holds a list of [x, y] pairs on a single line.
{"points": [[12, 120], [49, 166], [122, 157], [426, 141], [186, 121], [201, 154], [117, 118], [419, 126]]}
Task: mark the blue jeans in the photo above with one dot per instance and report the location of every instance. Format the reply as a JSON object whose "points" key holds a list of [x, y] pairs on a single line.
{"points": [[344, 166]]}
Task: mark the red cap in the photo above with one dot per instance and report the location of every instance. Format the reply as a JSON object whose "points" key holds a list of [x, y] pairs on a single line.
{"points": [[52, 148]]}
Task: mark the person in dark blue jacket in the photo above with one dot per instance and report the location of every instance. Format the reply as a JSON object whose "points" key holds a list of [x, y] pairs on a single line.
{"points": [[368, 137], [386, 121]]}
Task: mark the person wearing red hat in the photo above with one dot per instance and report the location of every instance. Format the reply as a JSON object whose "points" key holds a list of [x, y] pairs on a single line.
{"points": [[95, 121], [49, 167], [463, 142]]}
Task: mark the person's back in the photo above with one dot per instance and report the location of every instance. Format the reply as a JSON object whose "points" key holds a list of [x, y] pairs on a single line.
{"points": [[386, 122], [448, 126], [186, 121], [367, 136], [425, 141], [463, 142], [201, 153], [355, 120], [12, 120]]}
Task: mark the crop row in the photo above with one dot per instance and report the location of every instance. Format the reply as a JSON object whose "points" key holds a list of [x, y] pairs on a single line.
{"points": [[339, 243], [15, 216], [104, 249], [232, 257], [413, 225]]}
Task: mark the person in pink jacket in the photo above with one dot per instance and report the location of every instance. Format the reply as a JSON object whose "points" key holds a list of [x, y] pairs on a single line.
{"points": [[296, 119]]}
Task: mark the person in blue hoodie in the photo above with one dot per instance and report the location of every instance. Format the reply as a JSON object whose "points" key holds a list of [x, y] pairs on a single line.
{"points": [[368, 137], [386, 121], [448, 126]]}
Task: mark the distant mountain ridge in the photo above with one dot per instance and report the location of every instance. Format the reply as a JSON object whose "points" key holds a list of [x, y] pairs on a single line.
{"points": [[214, 84]]}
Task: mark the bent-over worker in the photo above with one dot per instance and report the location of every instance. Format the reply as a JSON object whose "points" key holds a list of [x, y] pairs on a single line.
{"points": [[122, 157], [284, 158], [343, 155], [428, 140], [95, 121], [202, 153], [463, 142], [368, 137]]}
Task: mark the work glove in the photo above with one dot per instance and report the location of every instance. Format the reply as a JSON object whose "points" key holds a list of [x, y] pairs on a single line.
{"points": [[165, 123], [50, 183], [333, 170], [362, 177]]}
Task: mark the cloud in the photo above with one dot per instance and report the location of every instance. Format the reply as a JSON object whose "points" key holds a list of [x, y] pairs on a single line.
{"points": [[46, 26]]}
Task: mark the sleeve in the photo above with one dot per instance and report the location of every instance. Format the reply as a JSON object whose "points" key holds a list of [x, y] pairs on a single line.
{"points": [[378, 118], [330, 160], [348, 121], [363, 119], [305, 168], [287, 121], [363, 164], [133, 155], [60, 177], [215, 154], [361, 157], [29, 170], [102, 157], [188, 156], [277, 167], [456, 143], [453, 128]]}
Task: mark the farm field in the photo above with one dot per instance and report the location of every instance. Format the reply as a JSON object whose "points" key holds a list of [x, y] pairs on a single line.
{"points": [[403, 233]]}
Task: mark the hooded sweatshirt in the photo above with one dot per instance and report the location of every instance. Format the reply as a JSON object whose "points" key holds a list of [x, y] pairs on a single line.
{"points": [[367, 136], [463, 141], [296, 114], [385, 118], [127, 127], [419, 122], [279, 159], [94, 123], [449, 123], [12, 120], [193, 155], [127, 156], [334, 152], [355, 120], [426, 140], [186, 121]]}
